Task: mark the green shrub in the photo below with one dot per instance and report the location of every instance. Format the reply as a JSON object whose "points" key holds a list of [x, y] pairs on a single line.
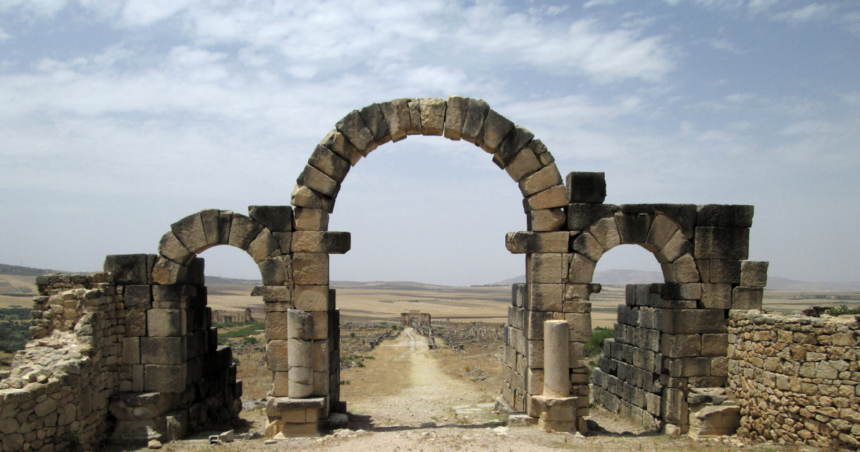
{"points": [[595, 345], [842, 310], [250, 340]]}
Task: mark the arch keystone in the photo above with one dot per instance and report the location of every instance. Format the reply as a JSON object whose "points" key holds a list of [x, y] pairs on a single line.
{"points": [[432, 115]]}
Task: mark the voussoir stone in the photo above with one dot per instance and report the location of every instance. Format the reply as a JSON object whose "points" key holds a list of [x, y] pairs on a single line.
{"points": [[189, 231], [474, 123], [544, 178], [455, 116], [337, 143], [397, 116], [496, 129], [432, 115], [353, 128]]}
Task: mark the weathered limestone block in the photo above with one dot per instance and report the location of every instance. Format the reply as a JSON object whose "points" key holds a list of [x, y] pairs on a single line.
{"points": [[321, 383], [162, 350], [511, 145], [274, 218], [135, 322], [276, 297], [397, 116], [310, 219], [674, 406], [318, 181], [164, 378], [300, 325], [353, 128], [277, 355], [683, 270], [582, 215], [305, 197], [545, 297], [605, 231], [374, 119], [321, 356], [166, 322], [337, 143], [321, 242], [714, 420], [275, 271], [225, 222], [717, 296], [310, 269], [455, 116], [722, 243], [581, 269], [546, 220], [523, 164], [544, 268], [321, 323], [681, 345], [299, 390], [534, 324], [131, 350], [556, 353], [414, 117], [586, 187], [694, 321], [243, 231], [189, 231], [633, 228], [537, 242], [535, 353], [725, 216], [715, 344], [747, 297], [677, 246], [127, 268], [676, 291], [301, 355], [171, 248], [662, 230], [587, 245], [579, 326], [432, 115], [550, 198], [754, 274], [276, 326], [476, 112], [546, 177], [264, 246], [313, 298], [496, 129], [137, 297]]}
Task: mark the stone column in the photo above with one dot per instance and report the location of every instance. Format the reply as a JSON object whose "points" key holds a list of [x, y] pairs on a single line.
{"points": [[556, 355], [300, 327]]}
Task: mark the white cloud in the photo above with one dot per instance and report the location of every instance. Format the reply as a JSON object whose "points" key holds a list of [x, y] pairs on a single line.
{"points": [[3, 35], [592, 3], [809, 13], [36, 7]]}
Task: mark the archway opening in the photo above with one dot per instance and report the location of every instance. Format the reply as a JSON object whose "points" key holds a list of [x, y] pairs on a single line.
{"points": [[618, 267]]}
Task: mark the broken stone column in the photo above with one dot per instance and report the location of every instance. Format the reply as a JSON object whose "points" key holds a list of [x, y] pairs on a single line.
{"points": [[300, 327], [555, 362]]}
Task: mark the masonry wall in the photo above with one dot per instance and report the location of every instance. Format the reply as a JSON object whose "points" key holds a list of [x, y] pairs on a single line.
{"points": [[796, 378], [56, 395]]}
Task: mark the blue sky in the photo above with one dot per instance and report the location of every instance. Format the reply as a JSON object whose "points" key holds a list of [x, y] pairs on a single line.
{"points": [[119, 118]]}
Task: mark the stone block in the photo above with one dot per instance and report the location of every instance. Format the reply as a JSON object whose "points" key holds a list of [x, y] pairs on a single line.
{"points": [[587, 245], [321, 356], [535, 321], [300, 390], [276, 326], [135, 322], [545, 297], [683, 270], [537, 242], [535, 353], [662, 230], [397, 116], [337, 143], [538, 181], [715, 344], [305, 197], [243, 231], [524, 163], [717, 296], [689, 367], [432, 115], [476, 112], [674, 406], [137, 297], [310, 219], [518, 138], [496, 129], [318, 181], [546, 220], [534, 381], [582, 215], [280, 384], [544, 268], [225, 223], [163, 350], [353, 128], [321, 324], [300, 353], [189, 231], [300, 325], [581, 269], [677, 246], [681, 345], [754, 274], [694, 321], [277, 355], [313, 298], [678, 291], [579, 326], [310, 269], [164, 378], [722, 243], [274, 218], [519, 294], [329, 163], [321, 383], [725, 216], [127, 268], [276, 271], [131, 350], [455, 116], [375, 121], [166, 323], [605, 231], [276, 295], [747, 297], [321, 242], [170, 247], [550, 198], [633, 228], [586, 187]]}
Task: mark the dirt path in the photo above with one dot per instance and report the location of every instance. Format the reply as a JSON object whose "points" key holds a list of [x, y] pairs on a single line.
{"points": [[416, 391]]}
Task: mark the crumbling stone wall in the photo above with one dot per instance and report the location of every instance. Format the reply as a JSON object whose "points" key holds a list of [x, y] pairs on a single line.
{"points": [[232, 316], [796, 378], [56, 394]]}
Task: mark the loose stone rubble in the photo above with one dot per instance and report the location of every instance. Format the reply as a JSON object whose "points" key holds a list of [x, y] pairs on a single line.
{"points": [[137, 340]]}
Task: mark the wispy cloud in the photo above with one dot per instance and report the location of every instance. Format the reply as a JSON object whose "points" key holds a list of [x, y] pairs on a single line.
{"points": [[809, 13]]}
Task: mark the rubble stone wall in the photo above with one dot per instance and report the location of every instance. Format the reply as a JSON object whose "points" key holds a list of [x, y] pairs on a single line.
{"points": [[56, 395], [796, 378]]}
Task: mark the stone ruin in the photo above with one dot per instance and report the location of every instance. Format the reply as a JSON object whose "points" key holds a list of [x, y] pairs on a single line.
{"points": [[423, 318], [232, 316], [130, 355]]}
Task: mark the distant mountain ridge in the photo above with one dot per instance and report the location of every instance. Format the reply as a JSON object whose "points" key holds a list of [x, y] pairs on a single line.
{"points": [[23, 271]]}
